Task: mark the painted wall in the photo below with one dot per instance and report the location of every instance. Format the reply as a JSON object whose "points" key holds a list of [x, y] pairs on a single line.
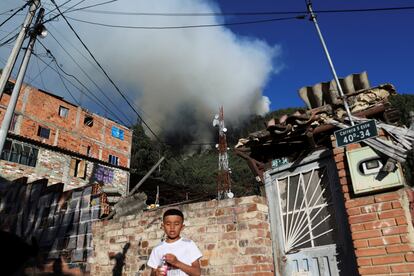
{"points": [[233, 235]]}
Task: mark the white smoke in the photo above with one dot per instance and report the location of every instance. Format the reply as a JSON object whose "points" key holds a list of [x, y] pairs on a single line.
{"points": [[182, 72]]}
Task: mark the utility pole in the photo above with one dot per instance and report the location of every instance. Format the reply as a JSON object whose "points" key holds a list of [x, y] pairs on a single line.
{"points": [[223, 177], [341, 93], [37, 29], [18, 45]]}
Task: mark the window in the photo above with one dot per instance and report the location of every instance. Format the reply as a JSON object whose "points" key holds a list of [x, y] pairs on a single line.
{"points": [[77, 168], [117, 133], [88, 121], [113, 160], [13, 123], [21, 153], [8, 89], [43, 132], [63, 112]]}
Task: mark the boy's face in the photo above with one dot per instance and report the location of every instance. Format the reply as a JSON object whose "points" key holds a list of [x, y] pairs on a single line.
{"points": [[172, 226]]}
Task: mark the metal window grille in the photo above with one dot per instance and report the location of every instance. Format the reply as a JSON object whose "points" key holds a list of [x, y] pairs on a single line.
{"points": [[114, 160], [21, 153], [305, 209]]}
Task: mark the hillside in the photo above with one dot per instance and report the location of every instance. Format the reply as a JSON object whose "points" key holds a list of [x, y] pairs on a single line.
{"points": [[190, 171]]}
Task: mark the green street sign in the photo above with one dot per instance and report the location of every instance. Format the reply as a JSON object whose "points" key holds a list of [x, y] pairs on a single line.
{"points": [[356, 133]]}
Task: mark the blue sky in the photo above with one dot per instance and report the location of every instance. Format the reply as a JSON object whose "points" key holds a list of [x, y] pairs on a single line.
{"points": [[382, 43]]}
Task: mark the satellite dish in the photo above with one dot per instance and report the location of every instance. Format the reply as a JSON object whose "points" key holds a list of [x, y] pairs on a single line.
{"points": [[230, 195], [217, 145], [224, 129]]}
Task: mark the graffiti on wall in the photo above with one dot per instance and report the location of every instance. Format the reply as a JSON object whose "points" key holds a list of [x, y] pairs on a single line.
{"points": [[103, 174]]}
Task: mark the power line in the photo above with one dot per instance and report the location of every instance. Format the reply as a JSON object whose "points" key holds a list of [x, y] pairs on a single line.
{"points": [[4, 12], [79, 9], [102, 105], [105, 73], [257, 13], [187, 26], [90, 78], [96, 67], [13, 14]]}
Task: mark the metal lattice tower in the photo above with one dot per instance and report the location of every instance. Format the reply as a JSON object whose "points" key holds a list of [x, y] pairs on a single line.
{"points": [[223, 177]]}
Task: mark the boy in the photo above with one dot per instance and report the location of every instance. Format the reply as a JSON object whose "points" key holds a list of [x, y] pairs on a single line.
{"points": [[181, 255]]}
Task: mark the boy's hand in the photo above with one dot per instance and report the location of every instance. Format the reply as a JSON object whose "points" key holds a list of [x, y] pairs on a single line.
{"points": [[171, 259], [160, 272]]}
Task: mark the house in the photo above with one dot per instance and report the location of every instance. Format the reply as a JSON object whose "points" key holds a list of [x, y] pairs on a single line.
{"points": [[51, 138], [338, 203]]}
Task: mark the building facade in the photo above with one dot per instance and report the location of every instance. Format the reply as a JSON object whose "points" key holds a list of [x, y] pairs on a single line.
{"points": [[51, 138]]}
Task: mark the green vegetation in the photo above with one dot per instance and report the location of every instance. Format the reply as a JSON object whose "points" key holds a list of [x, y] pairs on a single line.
{"points": [[405, 103], [197, 172]]}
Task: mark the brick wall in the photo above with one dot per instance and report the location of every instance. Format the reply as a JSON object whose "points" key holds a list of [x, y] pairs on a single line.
{"points": [[233, 235], [381, 227], [37, 108]]}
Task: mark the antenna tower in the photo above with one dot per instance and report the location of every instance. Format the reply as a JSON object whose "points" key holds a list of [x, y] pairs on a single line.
{"points": [[223, 177]]}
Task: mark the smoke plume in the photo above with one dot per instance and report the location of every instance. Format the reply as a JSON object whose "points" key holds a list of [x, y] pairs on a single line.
{"points": [[177, 77]]}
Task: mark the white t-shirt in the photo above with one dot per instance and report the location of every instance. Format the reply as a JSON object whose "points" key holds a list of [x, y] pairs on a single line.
{"points": [[185, 250]]}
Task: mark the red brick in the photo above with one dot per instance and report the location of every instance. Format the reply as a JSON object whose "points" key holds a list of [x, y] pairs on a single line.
{"points": [[401, 220], [366, 234], [398, 248], [396, 205], [340, 165], [343, 181], [388, 259], [353, 211], [384, 241], [404, 239], [409, 257], [357, 227], [391, 214], [379, 224], [339, 150], [360, 243], [375, 270], [362, 218], [377, 207], [364, 261], [339, 157], [359, 202], [387, 197], [365, 252], [401, 268], [345, 188], [353, 146], [342, 173], [395, 230]]}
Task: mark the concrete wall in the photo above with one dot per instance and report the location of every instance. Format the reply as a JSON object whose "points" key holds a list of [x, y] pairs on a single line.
{"points": [[37, 108], [55, 167], [233, 235], [381, 225], [59, 222]]}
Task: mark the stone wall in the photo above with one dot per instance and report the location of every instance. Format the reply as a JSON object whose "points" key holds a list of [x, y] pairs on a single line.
{"points": [[55, 167], [381, 227], [232, 234]]}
